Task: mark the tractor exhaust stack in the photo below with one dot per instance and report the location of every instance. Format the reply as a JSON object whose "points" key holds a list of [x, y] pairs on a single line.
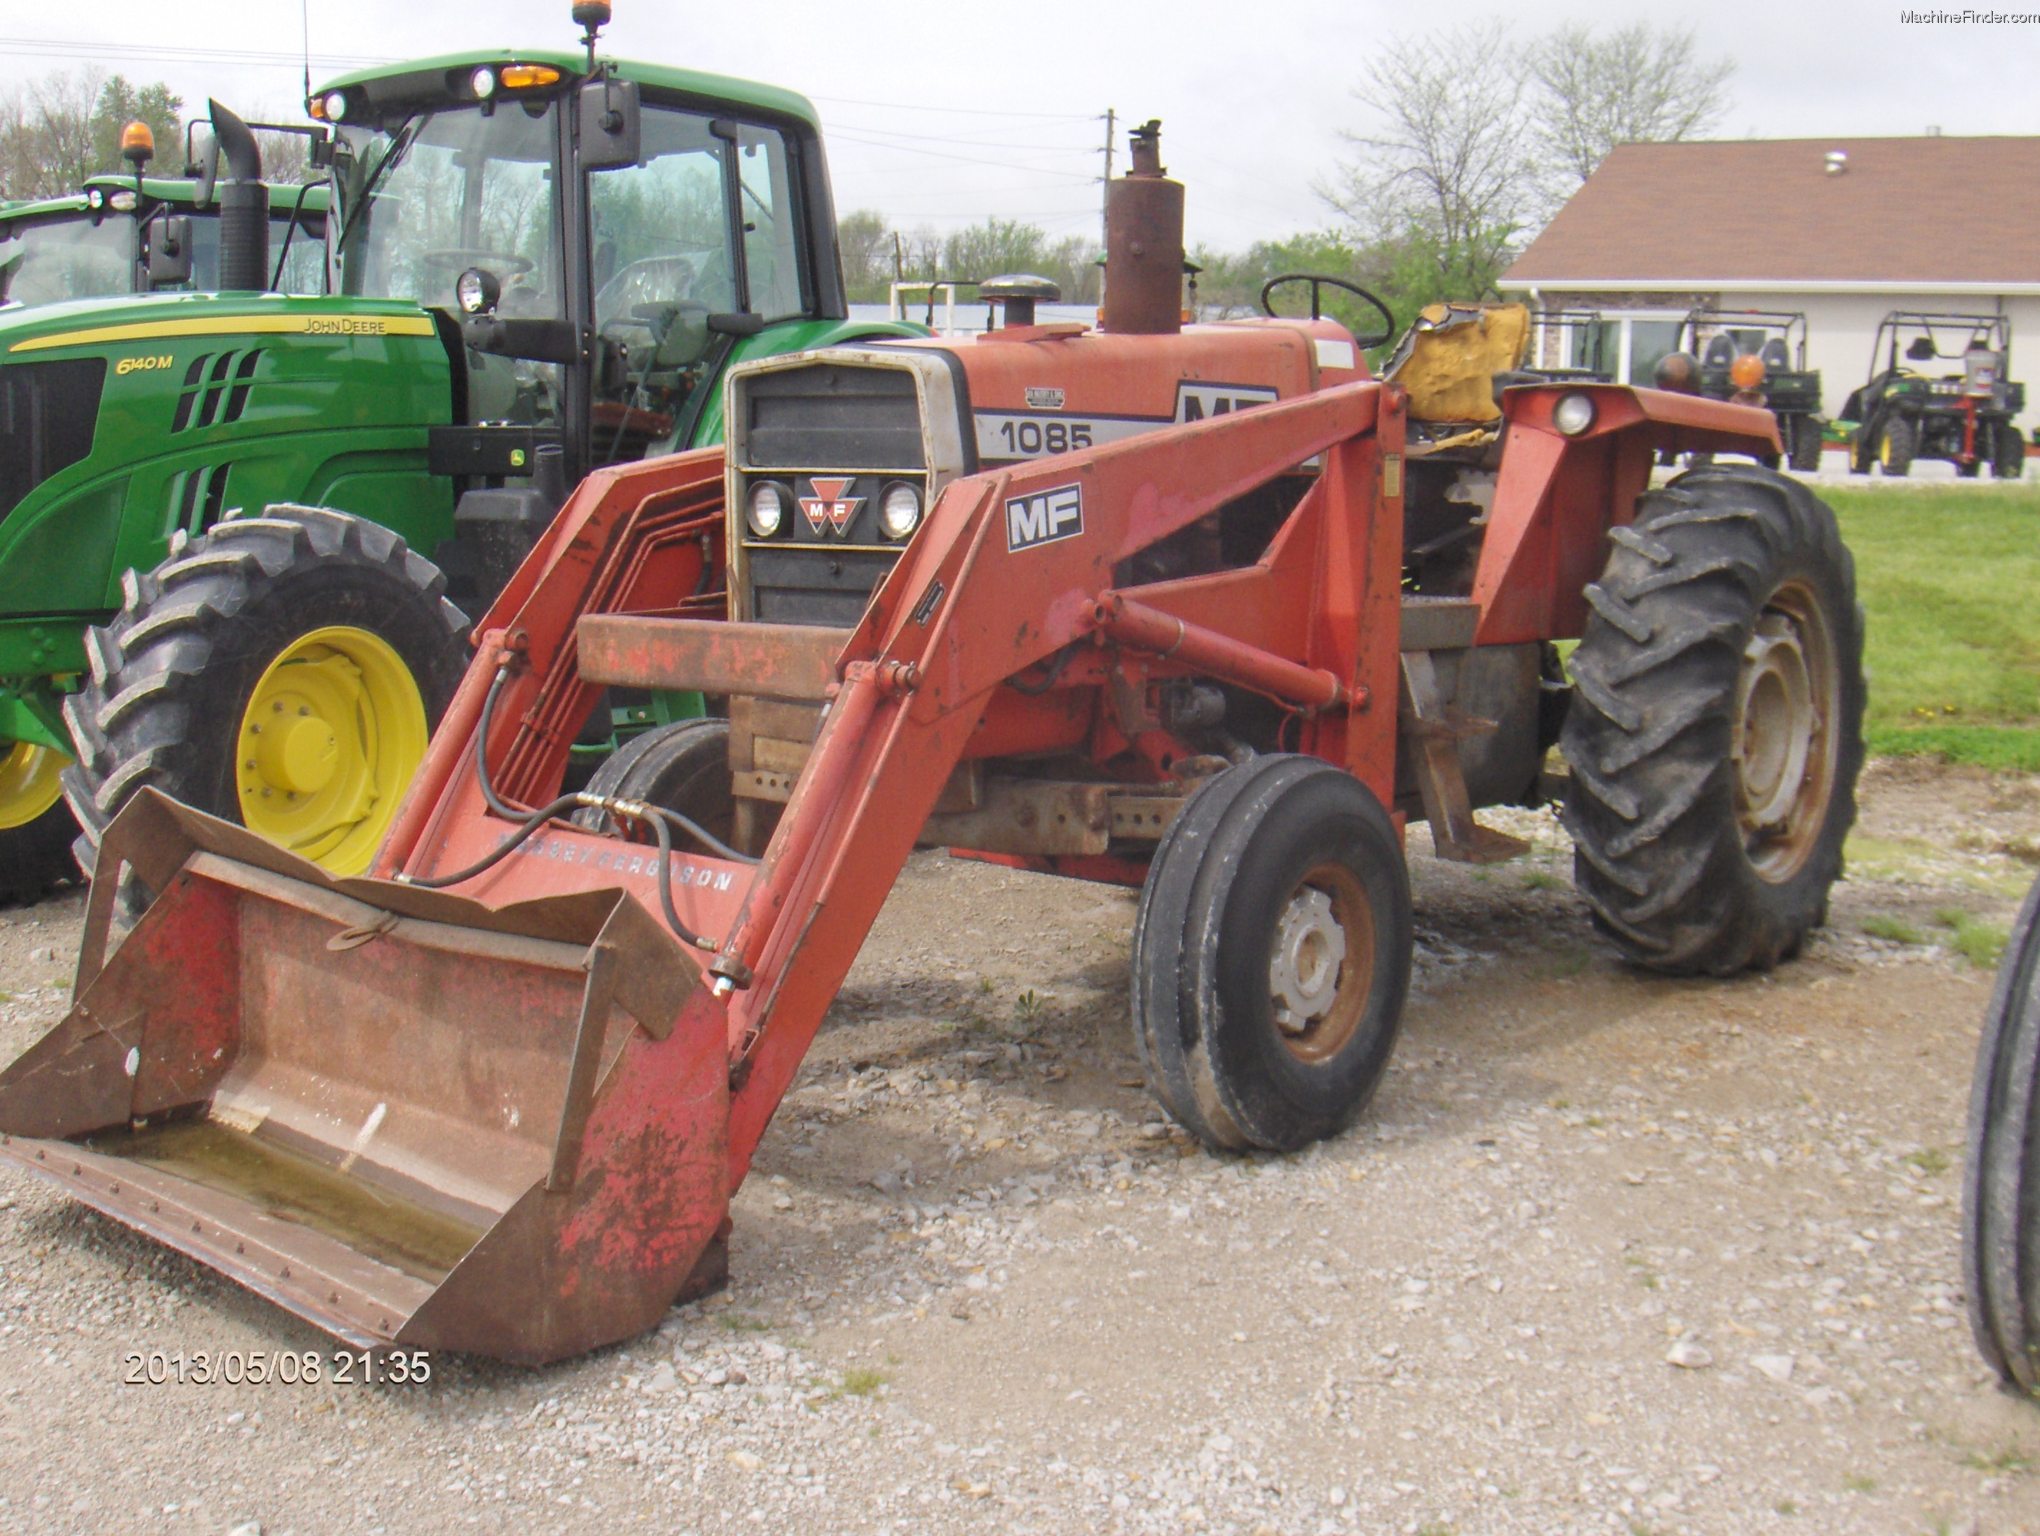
{"points": [[1144, 244], [244, 206]]}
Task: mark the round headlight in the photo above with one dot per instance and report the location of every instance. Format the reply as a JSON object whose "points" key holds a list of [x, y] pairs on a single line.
{"points": [[336, 106], [899, 510], [766, 510], [95, 198], [476, 291], [483, 83], [1573, 414]]}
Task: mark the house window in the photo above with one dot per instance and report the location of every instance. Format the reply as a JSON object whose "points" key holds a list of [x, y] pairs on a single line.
{"points": [[1648, 342]]}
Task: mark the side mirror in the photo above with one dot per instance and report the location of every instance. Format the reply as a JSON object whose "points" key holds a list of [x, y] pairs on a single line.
{"points": [[1921, 349], [609, 124], [208, 173], [170, 252]]}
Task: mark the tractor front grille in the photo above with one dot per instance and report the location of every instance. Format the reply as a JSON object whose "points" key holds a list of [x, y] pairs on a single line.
{"points": [[47, 415], [834, 435]]}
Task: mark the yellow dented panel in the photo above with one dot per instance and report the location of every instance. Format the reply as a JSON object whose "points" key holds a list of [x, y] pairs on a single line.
{"points": [[1449, 358]]}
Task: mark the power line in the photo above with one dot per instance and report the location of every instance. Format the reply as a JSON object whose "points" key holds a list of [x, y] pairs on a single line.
{"points": [[922, 138], [68, 48], [915, 149], [908, 106]]}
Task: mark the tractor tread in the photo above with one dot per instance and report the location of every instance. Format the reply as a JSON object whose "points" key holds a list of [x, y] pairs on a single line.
{"points": [[139, 719], [1658, 848]]}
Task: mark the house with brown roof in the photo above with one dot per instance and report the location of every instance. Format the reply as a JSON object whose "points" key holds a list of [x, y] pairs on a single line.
{"points": [[1845, 230]]}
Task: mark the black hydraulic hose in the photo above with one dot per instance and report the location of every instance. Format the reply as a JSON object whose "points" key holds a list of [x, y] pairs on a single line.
{"points": [[661, 820]]}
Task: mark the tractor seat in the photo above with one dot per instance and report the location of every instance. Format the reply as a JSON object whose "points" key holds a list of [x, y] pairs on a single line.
{"points": [[1720, 351], [1448, 360], [1774, 356]]}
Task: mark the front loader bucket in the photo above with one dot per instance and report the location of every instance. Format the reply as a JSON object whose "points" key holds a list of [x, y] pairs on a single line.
{"points": [[411, 1118]]}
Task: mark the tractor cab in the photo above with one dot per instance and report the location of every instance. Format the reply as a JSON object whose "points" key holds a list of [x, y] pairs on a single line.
{"points": [[1939, 389], [148, 234], [595, 239]]}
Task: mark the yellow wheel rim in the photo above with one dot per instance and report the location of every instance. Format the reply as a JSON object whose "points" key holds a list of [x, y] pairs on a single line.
{"points": [[327, 746], [29, 783]]}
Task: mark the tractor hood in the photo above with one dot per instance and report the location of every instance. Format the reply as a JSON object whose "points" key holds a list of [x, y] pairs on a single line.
{"points": [[127, 323]]}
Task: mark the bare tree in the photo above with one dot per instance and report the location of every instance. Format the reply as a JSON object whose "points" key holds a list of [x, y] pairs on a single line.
{"points": [[1634, 84], [1448, 161]]}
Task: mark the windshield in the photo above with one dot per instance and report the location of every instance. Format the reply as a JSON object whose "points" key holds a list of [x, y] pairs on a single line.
{"points": [[68, 258], [451, 190]]}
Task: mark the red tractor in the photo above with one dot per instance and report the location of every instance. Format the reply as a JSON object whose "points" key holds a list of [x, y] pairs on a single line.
{"points": [[1208, 611]]}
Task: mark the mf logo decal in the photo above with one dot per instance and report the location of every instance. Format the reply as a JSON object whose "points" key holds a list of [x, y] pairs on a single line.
{"points": [[1198, 402], [1044, 398], [141, 364], [1032, 521], [829, 507]]}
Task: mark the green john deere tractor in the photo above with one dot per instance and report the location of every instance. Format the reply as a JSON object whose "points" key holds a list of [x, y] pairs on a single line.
{"points": [[1964, 414], [148, 234], [541, 264]]}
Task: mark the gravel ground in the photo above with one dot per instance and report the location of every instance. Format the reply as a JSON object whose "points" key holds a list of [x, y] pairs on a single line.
{"points": [[1609, 1254]]}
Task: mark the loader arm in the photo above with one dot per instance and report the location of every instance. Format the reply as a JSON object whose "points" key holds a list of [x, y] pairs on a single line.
{"points": [[962, 612]]}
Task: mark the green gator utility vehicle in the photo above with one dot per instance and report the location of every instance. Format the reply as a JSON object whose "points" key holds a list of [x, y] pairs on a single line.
{"points": [[1757, 357], [541, 264], [1964, 414]]}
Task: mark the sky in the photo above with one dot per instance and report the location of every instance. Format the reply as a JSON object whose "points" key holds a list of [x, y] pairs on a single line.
{"points": [[937, 118]]}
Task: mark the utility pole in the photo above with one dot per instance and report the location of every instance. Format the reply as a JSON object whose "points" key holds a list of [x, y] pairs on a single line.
{"points": [[1105, 200]]}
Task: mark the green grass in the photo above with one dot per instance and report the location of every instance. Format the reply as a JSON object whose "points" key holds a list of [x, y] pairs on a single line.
{"points": [[1952, 644], [1895, 930], [1981, 944], [861, 1381]]}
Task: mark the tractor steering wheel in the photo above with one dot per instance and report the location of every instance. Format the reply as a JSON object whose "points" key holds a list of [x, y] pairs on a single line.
{"points": [[1317, 283]]}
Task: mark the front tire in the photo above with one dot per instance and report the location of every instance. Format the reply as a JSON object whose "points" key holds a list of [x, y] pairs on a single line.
{"points": [[1715, 732], [2008, 458], [1804, 441], [283, 672], [1896, 445], [683, 767], [2001, 1177], [1271, 956]]}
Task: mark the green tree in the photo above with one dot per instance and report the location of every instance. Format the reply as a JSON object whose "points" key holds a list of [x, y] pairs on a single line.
{"points": [[119, 104], [1635, 84], [866, 242]]}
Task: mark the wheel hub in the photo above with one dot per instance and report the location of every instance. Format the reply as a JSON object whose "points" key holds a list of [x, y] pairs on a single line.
{"points": [[330, 736], [1783, 750], [1303, 971], [30, 783], [1775, 721]]}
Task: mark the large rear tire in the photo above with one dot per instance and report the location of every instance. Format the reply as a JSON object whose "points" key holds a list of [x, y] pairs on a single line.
{"points": [[1271, 956], [283, 672], [1715, 731], [36, 827], [2001, 1180]]}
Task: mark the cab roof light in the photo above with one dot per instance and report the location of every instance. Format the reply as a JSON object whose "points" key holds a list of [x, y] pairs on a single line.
{"points": [[523, 77]]}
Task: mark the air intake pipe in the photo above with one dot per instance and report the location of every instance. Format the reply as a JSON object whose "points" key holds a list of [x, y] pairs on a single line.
{"points": [[1144, 244], [243, 203]]}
